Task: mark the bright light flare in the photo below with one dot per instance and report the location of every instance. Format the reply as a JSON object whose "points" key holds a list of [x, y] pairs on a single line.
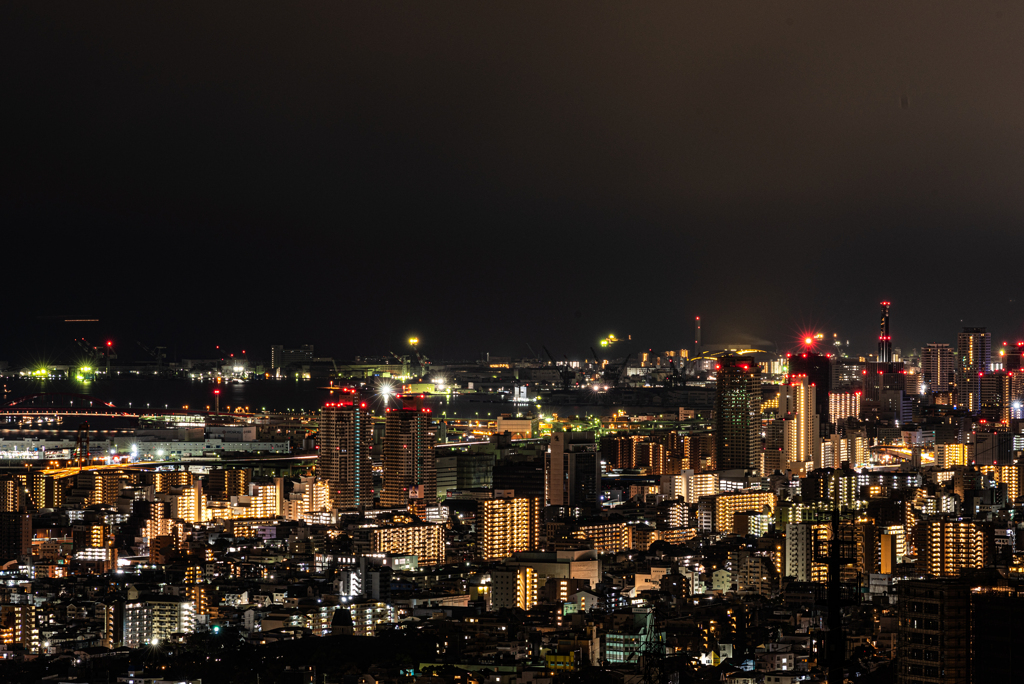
{"points": [[385, 390]]}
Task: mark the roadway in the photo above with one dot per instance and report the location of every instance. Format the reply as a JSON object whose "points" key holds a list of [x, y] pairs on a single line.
{"points": [[69, 470]]}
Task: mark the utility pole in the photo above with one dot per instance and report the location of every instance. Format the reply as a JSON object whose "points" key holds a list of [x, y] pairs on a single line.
{"points": [[83, 443], [836, 645]]}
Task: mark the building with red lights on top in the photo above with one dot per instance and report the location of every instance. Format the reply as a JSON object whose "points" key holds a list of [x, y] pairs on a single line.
{"points": [[884, 338], [973, 356], [409, 462], [738, 413], [344, 460], [818, 369], [801, 439]]}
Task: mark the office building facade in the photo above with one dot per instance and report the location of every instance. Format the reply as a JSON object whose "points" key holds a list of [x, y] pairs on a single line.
{"points": [[409, 459], [938, 367], [343, 459], [738, 413], [574, 470], [973, 356], [801, 437]]}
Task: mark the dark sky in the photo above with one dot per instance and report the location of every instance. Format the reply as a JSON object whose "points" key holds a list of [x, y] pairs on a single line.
{"points": [[489, 175]]}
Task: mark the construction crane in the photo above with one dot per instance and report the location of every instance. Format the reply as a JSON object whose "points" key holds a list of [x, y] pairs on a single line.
{"points": [[622, 370], [156, 352], [422, 360], [94, 354], [563, 373], [402, 360], [97, 353]]}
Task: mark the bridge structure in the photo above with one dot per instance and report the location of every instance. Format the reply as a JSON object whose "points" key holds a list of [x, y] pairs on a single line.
{"points": [[55, 404]]}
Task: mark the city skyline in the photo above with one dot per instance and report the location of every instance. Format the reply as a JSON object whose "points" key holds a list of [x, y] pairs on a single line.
{"points": [[534, 343], [58, 344]]}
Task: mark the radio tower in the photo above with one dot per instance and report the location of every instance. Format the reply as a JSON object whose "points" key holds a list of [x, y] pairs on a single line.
{"points": [[884, 340], [696, 337]]}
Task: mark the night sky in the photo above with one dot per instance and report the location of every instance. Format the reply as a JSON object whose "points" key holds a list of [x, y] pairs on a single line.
{"points": [[492, 175]]}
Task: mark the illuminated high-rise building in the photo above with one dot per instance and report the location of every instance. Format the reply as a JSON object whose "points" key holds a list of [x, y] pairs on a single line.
{"points": [[699, 451], [11, 497], [738, 413], [949, 455], [409, 461], [974, 353], [187, 502], [650, 456], [98, 487], [843, 405], [41, 490], [884, 338], [851, 448], [728, 505], [507, 526], [607, 537], [225, 483], [995, 391], [345, 440], [619, 450], [818, 370], [266, 498], [703, 484], [163, 480], [946, 547], [801, 539], [801, 440], [574, 470], [307, 495], [410, 538], [18, 625], [513, 587], [94, 544], [838, 486], [938, 367], [1014, 393]]}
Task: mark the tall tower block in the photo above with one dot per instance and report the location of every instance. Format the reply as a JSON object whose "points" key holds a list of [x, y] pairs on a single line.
{"points": [[884, 339]]}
